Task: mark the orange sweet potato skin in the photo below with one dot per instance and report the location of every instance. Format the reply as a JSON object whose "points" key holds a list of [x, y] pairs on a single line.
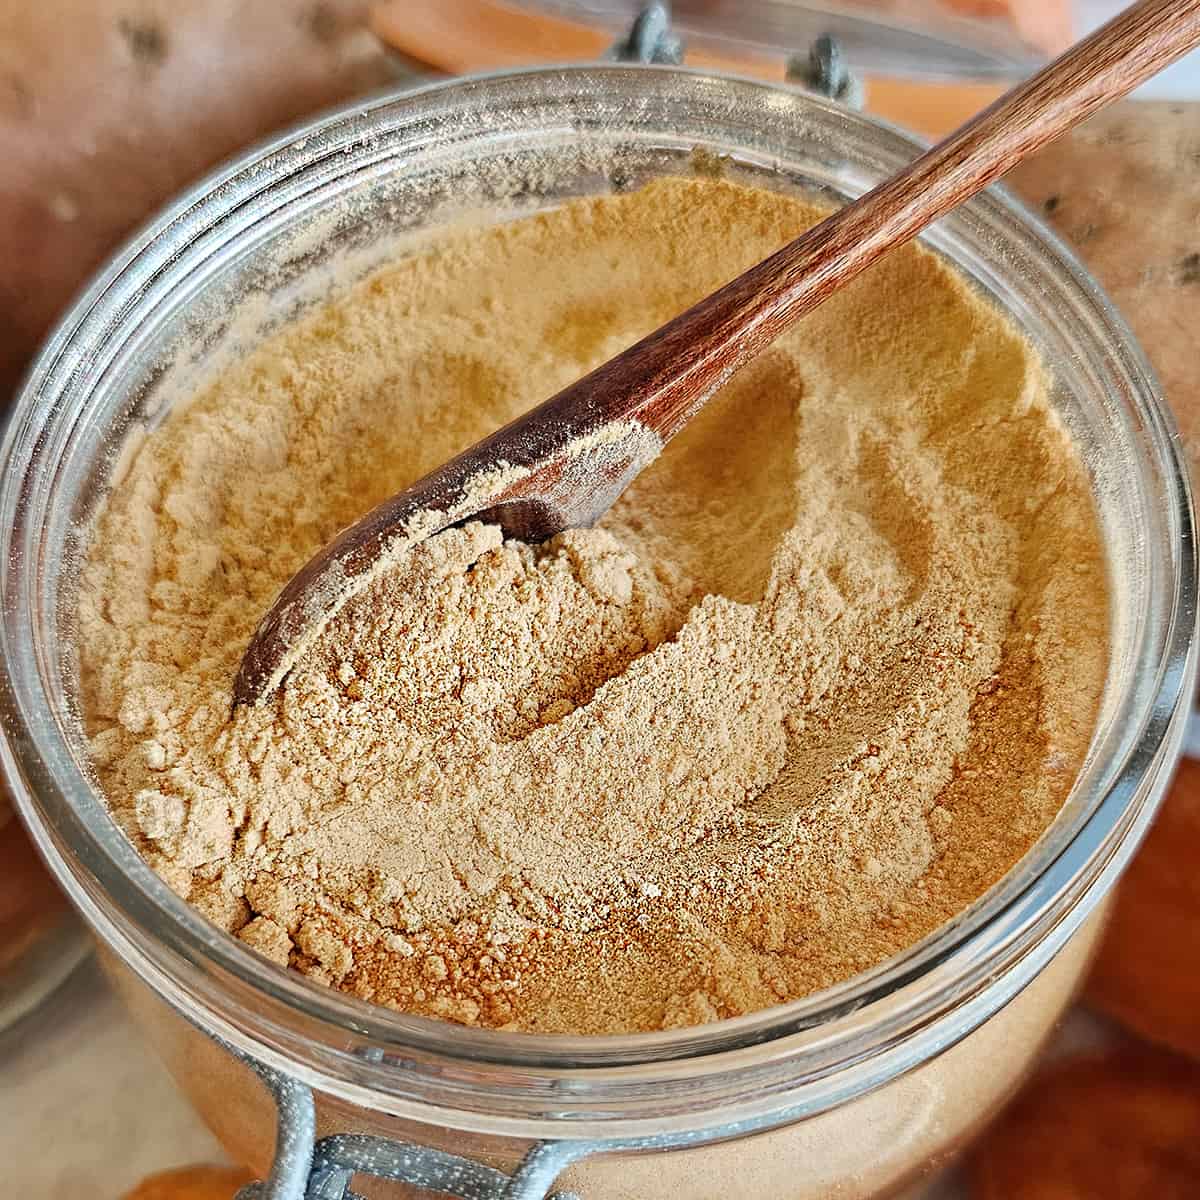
{"points": [[1124, 190], [108, 108], [1119, 1125], [192, 1183]]}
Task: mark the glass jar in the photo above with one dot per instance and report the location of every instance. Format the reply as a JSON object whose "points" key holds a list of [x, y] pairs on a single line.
{"points": [[851, 1091]]}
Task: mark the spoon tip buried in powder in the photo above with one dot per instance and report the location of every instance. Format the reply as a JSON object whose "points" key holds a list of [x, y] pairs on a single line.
{"points": [[561, 479]]}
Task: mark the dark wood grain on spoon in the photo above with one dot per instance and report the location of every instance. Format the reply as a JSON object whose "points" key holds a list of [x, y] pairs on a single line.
{"points": [[578, 451]]}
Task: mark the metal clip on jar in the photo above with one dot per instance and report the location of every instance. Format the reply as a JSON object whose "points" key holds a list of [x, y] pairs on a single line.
{"points": [[851, 1091]]}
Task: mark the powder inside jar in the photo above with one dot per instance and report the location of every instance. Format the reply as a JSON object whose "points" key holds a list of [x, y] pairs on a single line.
{"points": [[818, 680]]}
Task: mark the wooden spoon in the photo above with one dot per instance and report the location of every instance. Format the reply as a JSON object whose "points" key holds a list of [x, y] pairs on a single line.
{"points": [[565, 462]]}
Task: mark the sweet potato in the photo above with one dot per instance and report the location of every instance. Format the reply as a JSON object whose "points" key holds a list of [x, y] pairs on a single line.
{"points": [[108, 108], [1124, 189], [1116, 1126], [192, 1183], [1147, 974]]}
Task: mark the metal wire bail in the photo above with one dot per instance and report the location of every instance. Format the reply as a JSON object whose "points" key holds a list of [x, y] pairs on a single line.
{"points": [[307, 1169]]}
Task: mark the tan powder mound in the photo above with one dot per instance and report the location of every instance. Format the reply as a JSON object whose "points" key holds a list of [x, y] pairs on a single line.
{"points": [[818, 680]]}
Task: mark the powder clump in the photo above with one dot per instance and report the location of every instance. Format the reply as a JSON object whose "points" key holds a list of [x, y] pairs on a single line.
{"points": [[818, 680]]}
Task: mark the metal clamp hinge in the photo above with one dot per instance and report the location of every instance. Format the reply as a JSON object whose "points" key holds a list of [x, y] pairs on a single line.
{"points": [[822, 70], [306, 1168]]}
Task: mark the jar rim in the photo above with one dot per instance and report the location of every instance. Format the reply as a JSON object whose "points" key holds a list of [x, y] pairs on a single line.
{"points": [[302, 1026]]}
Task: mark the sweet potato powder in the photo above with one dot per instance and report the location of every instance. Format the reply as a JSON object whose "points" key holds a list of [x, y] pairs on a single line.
{"points": [[816, 682]]}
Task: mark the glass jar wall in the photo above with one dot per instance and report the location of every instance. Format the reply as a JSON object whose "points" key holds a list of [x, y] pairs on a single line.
{"points": [[933, 1038]]}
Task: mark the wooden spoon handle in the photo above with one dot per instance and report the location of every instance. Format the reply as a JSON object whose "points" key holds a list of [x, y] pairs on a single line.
{"points": [[728, 328]]}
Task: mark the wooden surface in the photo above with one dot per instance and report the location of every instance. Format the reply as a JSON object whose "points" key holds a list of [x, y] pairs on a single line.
{"points": [[659, 383]]}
